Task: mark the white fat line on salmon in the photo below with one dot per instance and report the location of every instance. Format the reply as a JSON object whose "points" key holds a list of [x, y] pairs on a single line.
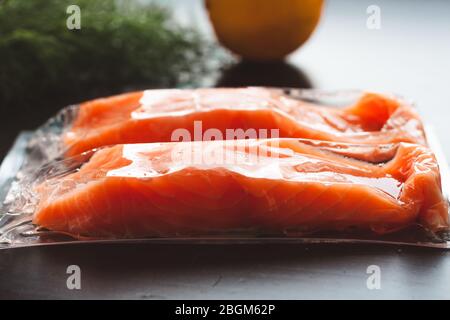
{"points": [[187, 310]]}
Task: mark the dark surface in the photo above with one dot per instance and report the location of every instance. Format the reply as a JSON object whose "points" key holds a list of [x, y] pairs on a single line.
{"points": [[224, 272], [409, 55]]}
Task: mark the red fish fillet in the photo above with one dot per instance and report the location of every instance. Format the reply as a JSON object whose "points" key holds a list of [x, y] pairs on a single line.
{"points": [[154, 116], [167, 189]]}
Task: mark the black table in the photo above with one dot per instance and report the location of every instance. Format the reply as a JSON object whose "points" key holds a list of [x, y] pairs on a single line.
{"points": [[224, 272], [408, 55]]}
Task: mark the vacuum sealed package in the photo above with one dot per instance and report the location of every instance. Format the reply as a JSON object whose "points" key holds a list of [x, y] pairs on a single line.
{"points": [[228, 165]]}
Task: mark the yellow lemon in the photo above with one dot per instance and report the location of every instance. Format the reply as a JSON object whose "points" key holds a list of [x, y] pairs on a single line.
{"points": [[263, 30]]}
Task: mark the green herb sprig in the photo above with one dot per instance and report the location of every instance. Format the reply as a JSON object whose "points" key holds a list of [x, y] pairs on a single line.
{"points": [[121, 45]]}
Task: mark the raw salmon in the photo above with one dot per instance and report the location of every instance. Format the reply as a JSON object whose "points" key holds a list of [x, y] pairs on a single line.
{"points": [[273, 185], [155, 115]]}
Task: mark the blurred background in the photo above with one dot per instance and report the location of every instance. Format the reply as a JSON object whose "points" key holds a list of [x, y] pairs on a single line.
{"points": [[47, 62]]}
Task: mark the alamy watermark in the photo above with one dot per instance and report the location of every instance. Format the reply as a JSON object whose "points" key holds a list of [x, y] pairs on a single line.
{"points": [[373, 282], [73, 281], [234, 146], [373, 21], [73, 21]]}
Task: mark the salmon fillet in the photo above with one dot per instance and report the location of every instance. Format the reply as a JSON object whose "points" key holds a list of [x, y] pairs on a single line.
{"points": [[173, 189], [155, 115]]}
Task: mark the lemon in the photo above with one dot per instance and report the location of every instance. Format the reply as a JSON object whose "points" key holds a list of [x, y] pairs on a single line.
{"points": [[263, 30]]}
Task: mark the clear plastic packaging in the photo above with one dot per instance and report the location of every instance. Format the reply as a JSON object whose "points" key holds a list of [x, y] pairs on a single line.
{"points": [[38, 158]]}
